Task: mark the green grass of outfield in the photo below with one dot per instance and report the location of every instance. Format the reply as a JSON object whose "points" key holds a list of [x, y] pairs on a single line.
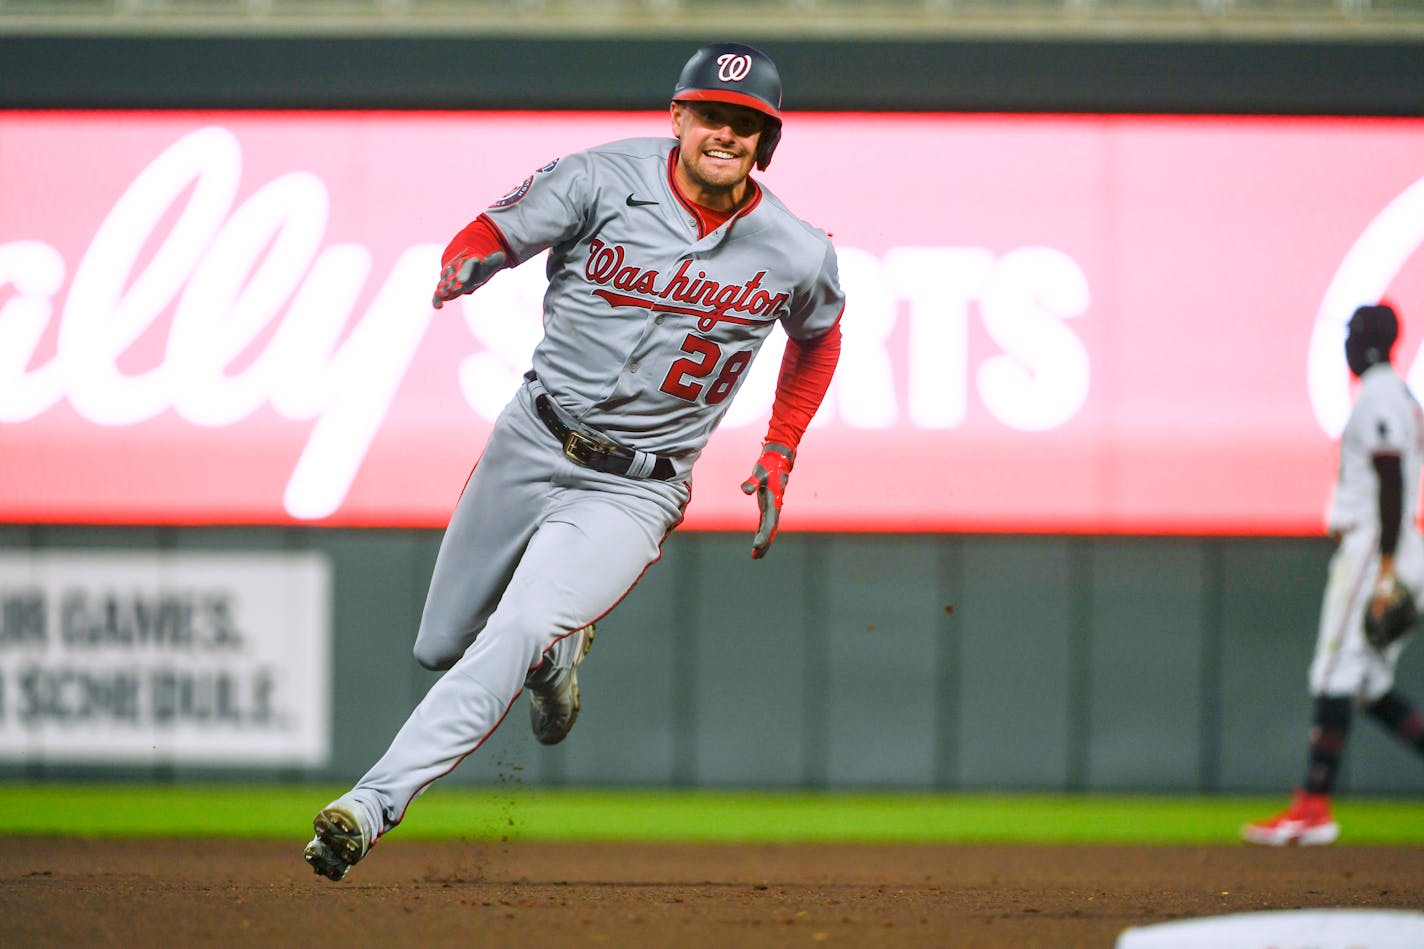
{"points": [[534, 814]]}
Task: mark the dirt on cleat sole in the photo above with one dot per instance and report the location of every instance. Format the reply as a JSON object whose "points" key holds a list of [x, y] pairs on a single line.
{"points": [[339, 843]]}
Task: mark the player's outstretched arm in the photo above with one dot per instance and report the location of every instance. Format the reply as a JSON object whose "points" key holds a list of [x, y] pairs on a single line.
{"points": [[465, 275]]}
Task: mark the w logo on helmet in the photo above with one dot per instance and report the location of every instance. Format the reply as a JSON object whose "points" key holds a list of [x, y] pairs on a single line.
{"points": [[732, 67]]}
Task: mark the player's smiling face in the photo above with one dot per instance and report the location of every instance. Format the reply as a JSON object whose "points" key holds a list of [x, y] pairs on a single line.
{"points": [[718, 149]]}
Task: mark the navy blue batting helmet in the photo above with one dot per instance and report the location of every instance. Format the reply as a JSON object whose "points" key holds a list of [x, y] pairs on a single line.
{"points": [[738, 75]]}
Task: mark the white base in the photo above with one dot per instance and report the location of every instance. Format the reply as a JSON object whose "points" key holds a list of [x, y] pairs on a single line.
{"points": [[1285, 929]]}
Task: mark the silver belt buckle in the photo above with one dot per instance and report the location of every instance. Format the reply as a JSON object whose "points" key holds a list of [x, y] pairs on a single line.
{"points": [[582, 448]]}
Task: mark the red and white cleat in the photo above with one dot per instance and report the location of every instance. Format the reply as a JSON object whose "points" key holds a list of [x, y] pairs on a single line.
{"points": [[1307, 822]]}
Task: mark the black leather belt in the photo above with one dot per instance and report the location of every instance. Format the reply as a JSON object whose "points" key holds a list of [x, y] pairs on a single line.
{"points": [[593, 452]]}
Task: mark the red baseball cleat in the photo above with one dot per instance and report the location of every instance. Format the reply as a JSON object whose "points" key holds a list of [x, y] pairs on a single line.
{"points": [[1306, 822]]}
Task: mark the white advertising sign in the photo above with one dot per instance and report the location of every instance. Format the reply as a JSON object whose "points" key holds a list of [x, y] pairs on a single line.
{"points": [[135, 657]]}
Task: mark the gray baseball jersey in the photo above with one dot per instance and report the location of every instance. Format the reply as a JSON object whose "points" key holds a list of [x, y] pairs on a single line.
{"points": [[649, 329]]}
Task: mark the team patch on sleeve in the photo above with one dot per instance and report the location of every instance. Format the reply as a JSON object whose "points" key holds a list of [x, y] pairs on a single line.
{"points": [[517, 195]]}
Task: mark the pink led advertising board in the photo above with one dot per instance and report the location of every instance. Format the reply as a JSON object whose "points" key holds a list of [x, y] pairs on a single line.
{"points": [[1098, 324]]}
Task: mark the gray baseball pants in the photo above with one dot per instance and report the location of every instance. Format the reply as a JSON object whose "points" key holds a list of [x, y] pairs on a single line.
{"points": [[537, 548]]}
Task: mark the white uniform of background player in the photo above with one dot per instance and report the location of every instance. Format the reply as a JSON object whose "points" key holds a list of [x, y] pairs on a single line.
{"points": [[668, 267], [1373, 515], [1385, 422]]}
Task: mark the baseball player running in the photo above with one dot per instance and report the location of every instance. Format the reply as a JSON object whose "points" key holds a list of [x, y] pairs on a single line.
{"points": [[1367, 607], [668, 267]]}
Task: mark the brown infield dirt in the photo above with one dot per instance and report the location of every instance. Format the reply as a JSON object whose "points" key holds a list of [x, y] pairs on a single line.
{"points": [[77, 892]]}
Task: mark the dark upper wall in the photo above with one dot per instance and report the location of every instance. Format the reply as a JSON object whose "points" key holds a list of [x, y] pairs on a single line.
{"points": [[1374, 77]]}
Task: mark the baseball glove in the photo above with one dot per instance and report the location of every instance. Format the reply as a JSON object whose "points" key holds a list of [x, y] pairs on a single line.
{"points": [[1397, 619]]}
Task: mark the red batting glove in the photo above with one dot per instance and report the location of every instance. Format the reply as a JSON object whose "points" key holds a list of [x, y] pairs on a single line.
{"points": [[464, 275], [768, 483]]}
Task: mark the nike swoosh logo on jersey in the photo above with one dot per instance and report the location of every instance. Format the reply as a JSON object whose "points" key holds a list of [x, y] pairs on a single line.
{"points": [[635, 203]]}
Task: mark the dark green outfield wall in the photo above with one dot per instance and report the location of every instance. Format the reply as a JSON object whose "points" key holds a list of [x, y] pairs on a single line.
{"points": [[1067, 663], [1377, 77]]}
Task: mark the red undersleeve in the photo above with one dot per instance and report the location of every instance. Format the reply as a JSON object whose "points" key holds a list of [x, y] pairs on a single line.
{"points": [[806, 370], [480, 238]]}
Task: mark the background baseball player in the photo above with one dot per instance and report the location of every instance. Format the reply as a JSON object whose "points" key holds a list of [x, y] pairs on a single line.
{"points": [[668, 268], [1380, 559]]}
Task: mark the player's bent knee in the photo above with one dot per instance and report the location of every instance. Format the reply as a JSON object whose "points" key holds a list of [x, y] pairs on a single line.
{"points": [[431, 657], [432, 660]]}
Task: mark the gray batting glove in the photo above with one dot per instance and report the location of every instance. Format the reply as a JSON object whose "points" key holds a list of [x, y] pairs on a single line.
{"points": [[768, 483], [465, 275]]}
